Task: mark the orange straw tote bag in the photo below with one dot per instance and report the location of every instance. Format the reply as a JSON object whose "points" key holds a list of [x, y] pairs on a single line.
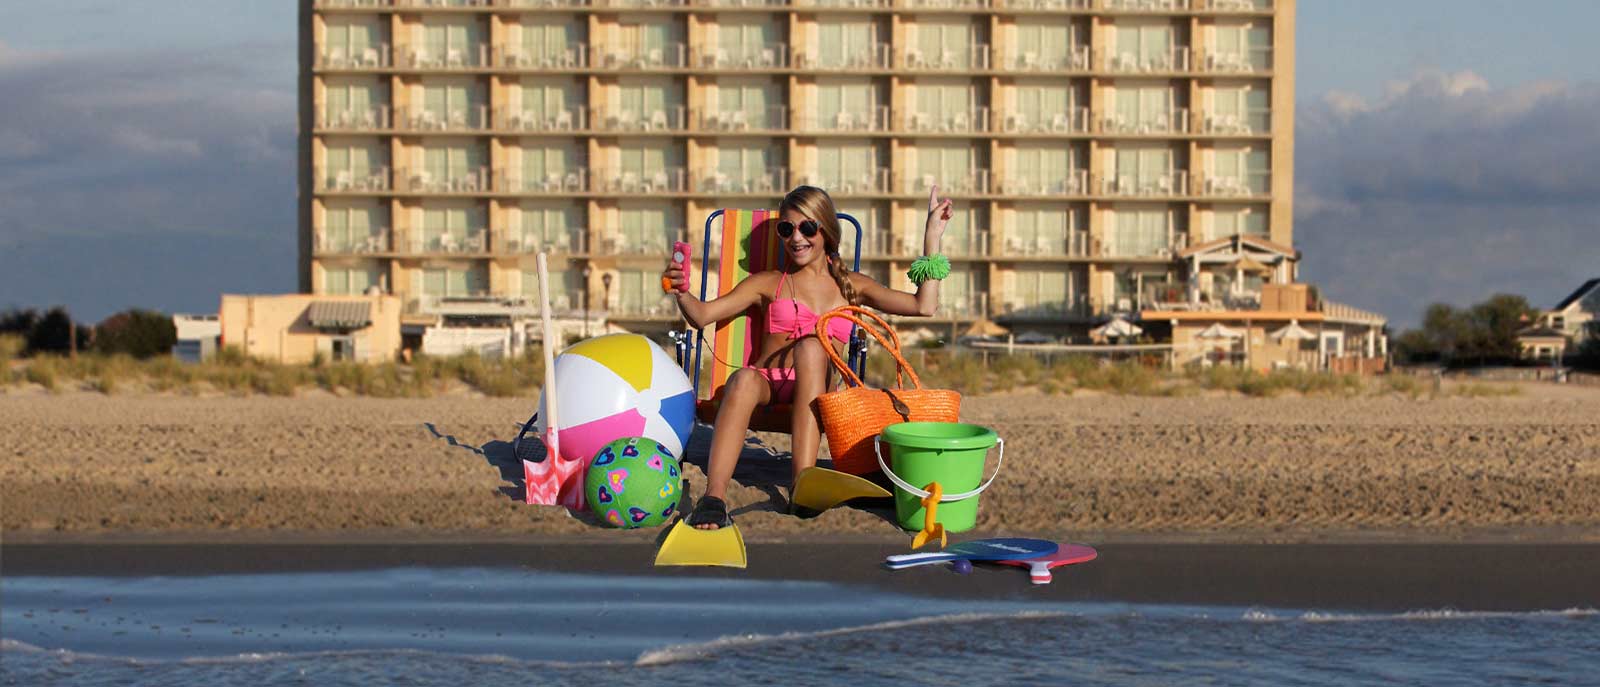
{"points": [[853, 416]]}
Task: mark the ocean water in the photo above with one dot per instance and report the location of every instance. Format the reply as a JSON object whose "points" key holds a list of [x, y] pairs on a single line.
{"points": [[488, 626]]}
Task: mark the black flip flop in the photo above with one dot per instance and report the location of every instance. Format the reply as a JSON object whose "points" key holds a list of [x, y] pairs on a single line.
{"points": [[710, 510]]}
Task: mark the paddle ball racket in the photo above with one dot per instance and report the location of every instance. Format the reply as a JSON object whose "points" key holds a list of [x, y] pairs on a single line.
{"points": [[1000, 549], [1039, 568]]}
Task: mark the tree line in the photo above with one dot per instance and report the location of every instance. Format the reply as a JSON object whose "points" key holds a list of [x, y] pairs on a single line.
{"points": [[135, 332], [1478, 335]]}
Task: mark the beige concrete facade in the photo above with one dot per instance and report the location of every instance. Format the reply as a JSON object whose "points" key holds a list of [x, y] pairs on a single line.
{"points": [[1088, 143], [278, 328]]}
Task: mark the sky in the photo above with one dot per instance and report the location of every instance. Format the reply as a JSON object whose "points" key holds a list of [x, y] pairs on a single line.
{"points": [[1446, 150]]}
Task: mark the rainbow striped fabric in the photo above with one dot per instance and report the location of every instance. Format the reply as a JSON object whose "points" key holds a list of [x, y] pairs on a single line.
{"points": [[749, 245]]}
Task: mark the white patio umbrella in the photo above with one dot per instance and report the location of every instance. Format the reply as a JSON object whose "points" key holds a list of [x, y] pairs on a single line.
{"points": [[1116, 328], [1293, 332], [1217, 331]]}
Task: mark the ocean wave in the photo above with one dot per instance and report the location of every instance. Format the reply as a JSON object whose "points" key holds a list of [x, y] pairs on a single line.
{"points": [[689, 652], [1261, 616], [70, 656]]}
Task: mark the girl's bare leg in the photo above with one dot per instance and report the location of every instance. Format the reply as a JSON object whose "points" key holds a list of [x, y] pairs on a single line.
{"points": [[811, 379], [746, 389]]}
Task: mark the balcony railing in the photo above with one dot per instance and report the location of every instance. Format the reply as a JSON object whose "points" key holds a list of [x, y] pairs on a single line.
{"points": [[1144, 5], [771, 118], [1257, 183], [1074, 120], [653, 309], [441, 3], [451, 180], [673, 118], [1072, 244], [1231, 5], [1112, 248], [369, 179], [1074, 183], [1076, 59], [1252, 122], [377, 241], [441, 241], [465, 118], [570, 241], [669, 56], [373, 118], [515, 119], [872, 119], [614, 242], [875, 243], [1052, 5], [460, 57], [340, 4], [973, 182], [715, 181], [871, 181], [1132, 62], [1024, 307], [970, 306], [742, 3], [852, 4], [1169, 184], [575, 56], [976, 56], [971, 244], [957, 121], [540, 4], [945, 4], [1251, 61], [717, 57], [515, 181], [1169, 122], [666, 180], [873, 57], [370, 57]]}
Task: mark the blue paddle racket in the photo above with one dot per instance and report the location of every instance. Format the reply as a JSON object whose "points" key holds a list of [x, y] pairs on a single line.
{"points": [[1001, 549]]}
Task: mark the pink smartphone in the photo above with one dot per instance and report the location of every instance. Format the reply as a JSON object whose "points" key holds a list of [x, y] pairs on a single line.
{"points": [[680, 259]]}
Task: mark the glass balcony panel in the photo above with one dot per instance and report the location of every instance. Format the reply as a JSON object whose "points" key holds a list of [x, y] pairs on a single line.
{"points": [[869, 181], [875, 56], [750, 57], [1132, 62], [516, 119], [573, 56], [516, 181], [960, 121], [769, 118], [1172, 121], [1145, 5], [663, 180], [973, 182], [870, 119], [672, 118], [1251, 60], [1164, 184], [447, 240], [472, 56], [331, 179], [452, 179], [715, 181], [1074, 183], [1074, 120], [473, 117], [370, 118], [668, 56], [369, 57], [975, 56], [1076, 59], [352, 241]]}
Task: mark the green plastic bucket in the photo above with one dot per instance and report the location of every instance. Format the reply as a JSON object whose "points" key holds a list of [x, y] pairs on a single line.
{"points": [[950, 453]]}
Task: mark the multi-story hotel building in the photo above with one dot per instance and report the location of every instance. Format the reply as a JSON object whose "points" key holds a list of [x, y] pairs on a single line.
{"points": [[1106, 156]]}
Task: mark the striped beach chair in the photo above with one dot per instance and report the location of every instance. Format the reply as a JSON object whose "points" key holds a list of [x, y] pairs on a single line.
{"points": [[748, 244]]}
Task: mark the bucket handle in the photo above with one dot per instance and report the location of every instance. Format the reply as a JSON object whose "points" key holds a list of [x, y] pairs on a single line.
{"points": [[923, 493]]}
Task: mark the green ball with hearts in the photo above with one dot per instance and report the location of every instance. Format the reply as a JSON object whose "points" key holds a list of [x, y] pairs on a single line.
{"points": [[633, 482]]}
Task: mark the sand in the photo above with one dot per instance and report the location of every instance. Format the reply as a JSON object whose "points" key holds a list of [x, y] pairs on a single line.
{"points": [[1101, 468]]}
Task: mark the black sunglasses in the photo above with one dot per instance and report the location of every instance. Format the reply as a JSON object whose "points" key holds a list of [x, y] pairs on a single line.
{"points": [[808, 228]]}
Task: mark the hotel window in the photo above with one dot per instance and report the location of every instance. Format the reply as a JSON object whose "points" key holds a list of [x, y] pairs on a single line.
{"points": [[1228, 220], [545, 225], [455, 280], [353, 40], [944, 42], [848, 166], [1044, 167], [1139, 288], [750, 102], [355, 101], [1242, 47], [1242, 169], [944, 103], [354, 224], [967, 222], [1145, 168], [1043, 229], [1043, 106], [353, 162], [956, 293], [351, 279], [453, 165], [552, 40], [747, 166], [846, 40], [1143, 46], [648, 226], [1240, 108], [553, 101], [450, 41], [1045, 42], [639, 293], [454, 103], [747, 41], [847, 103], [1040, 290], [873, 216], [654, 44], [546, 162], [650, 161], [453, 226], [655, 101], [1144, 109], [566, 287], [1141, 231], [952, 165]]}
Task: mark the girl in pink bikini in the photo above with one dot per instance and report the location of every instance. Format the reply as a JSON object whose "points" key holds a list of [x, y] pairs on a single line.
{"points": [[794, 368]]}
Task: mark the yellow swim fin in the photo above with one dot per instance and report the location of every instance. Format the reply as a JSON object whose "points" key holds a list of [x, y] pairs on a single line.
{"points": [[686, 545], [820, 489]]}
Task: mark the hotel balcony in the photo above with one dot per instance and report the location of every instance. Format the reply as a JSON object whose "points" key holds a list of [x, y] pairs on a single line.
{"points": [[1253, 123], [1076, 60], [715, 57], [631, 309], [971, 306], [771, 118], [451, 180], [1168, 185], [466, 118], [1175, 297], [1231, 5], [369, 179], [616, 119], [975, 57], [1075, 183], [375, 241], [613, 242], [974, 120], [476, 304], [1111, 248], [872, 119], [516, 119], [540, 4], [1251, 184], [515, 181], [876, 244], [1252, 61], [742, 3], [867, 182], [440, 3], [1045, 5], [944, 4], [373, 118], [572, 241], [439, 241], [669, 56], [1169, 122], [1074, 120], [1144, 5], [1025, 308], [874, 57], [714, 181], [847, 4], [974, 182], [971, 245], [371, 57], [575, 56], [464, 57], [666, 180], [1175, 60], [1072, 244]]}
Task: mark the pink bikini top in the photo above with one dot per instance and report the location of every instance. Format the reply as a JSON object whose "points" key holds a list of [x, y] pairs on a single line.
{"points": [[798, 320]]}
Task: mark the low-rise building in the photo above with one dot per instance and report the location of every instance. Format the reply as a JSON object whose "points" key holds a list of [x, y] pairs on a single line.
{"points": [[1564, 328], [295, 328]]}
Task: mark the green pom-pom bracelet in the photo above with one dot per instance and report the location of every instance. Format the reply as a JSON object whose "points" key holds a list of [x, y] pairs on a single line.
{"points": [[935, 266]]}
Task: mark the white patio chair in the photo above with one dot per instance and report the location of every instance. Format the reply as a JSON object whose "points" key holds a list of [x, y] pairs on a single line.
{"points": [[454, 58], [369, 57], [341, 181], [1060, 123], [658, 120], [739, 121], [334, 57]]}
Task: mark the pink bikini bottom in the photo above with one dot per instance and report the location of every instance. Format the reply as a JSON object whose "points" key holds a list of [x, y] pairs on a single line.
{"points": [[781, 379]]}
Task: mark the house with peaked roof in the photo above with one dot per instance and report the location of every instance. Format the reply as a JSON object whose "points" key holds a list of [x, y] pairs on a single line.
{"points": [[1565, 327]]}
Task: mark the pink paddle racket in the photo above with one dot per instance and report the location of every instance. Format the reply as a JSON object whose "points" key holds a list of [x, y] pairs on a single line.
{"points": [[1039, 566]]}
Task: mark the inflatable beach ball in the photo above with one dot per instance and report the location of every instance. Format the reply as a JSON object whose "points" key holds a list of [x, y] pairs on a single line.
{"points": [[616, 386], [632, 482]]}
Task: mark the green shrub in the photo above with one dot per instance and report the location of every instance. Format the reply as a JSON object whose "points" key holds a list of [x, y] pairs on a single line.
{"points": [[43, 370], [1407, 385], [138, 333]]}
